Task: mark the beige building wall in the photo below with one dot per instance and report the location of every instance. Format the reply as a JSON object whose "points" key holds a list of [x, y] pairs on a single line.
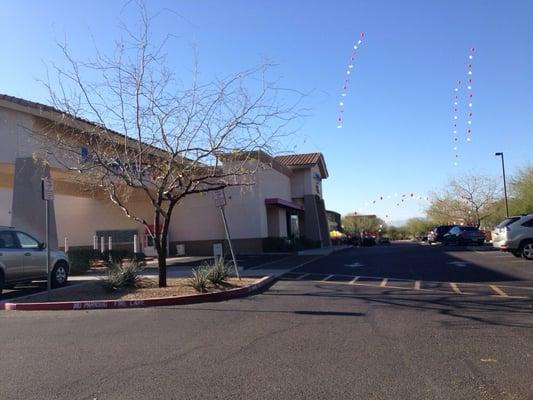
{"points": [[6, 198]]}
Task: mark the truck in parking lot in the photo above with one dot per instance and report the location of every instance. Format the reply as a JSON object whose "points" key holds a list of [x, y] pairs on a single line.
{"points": [[515, 235]]}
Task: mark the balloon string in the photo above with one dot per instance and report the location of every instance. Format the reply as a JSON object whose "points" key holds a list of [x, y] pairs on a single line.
{"points": [[346, 82]]}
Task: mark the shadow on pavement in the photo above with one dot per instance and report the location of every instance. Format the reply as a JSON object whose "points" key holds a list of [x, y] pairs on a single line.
{"points": [[501, 312]]}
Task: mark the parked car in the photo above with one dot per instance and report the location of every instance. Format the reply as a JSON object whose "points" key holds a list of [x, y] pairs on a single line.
{"points": [[515, 235], [23, 259], [464, 235], [368, 241], [437, 233], [383, 240]]}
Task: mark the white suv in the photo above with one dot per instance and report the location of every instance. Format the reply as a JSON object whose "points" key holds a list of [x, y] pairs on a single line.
{"points": [[515, 235]]}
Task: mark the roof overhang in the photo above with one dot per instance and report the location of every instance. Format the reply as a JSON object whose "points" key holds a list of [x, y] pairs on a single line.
{"points": [[283, 203]]}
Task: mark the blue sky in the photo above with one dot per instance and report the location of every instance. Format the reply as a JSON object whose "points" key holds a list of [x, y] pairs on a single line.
{"points": [[397, 124]]}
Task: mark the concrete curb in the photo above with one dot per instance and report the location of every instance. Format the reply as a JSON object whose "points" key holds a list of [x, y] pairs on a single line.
{"points": [[262, 284]]}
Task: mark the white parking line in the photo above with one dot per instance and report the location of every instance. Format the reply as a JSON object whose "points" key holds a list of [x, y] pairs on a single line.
{"points": [[417, 285], [383, 282], [498, 290], [354, 280], [455, 288], [302, 276], [328, 277]]}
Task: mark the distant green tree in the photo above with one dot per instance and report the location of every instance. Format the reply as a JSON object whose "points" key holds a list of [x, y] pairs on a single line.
{"points": [[522, 191], [355, 224], [470, 199], [418, 227]]}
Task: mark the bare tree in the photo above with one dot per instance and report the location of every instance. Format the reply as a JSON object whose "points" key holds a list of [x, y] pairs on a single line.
{"points": [[471, 199], [175, 141]]}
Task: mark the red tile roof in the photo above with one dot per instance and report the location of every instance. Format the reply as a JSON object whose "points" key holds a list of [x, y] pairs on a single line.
{"points": [[299, 159], [304, 160]]}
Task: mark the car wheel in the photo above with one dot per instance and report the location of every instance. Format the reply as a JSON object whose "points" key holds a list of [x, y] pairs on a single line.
{"points": [[59, 274], [527, 250]]}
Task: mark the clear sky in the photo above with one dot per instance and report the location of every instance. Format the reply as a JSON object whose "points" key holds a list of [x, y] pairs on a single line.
{"points": [[397, 134]]}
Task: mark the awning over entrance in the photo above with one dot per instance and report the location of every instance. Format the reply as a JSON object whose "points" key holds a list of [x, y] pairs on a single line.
{"points": [[283, 203]]}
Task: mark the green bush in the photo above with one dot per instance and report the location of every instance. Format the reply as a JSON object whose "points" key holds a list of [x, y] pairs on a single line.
{"points": [[117, 255], [80, 259], [199, 278], [122, 275], [218, 273]]}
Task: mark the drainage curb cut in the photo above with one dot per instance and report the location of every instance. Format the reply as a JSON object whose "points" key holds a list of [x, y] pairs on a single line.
{"points": [[263, 283]]}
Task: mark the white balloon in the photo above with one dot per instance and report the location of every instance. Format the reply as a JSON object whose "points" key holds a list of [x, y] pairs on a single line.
{"points": [[456, 89], [469, 87], [469, 104], [355, 47], [469, 122], [341, 103], [468, 139], [350, 66], [339, 126], [455, 117], [469, 72], [348, 72], [455, 103], [343, 95], [359, 42], [470, 57]]}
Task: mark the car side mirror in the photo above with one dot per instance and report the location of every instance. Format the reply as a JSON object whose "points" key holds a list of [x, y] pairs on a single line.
{"points": [[42, 246]]}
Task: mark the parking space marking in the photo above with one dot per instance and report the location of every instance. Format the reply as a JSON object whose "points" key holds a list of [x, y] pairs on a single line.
{"points": [[498, 290], [455, 288], [381, 282]]}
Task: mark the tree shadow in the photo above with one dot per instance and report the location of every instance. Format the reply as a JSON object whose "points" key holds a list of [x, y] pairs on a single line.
{"points": [[471, 312]]}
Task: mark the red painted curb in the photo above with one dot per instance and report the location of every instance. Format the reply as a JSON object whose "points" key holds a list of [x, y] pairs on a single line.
{"points": [[160, 301]]}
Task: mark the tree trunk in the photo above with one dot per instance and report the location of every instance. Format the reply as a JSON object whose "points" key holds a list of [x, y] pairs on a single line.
{"points": [[162, 263]]}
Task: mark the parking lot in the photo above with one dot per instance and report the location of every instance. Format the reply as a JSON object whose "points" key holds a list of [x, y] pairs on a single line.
{"points": [[468, 270]]}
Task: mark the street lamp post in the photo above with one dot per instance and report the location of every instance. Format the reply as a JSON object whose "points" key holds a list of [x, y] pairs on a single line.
{"points": [[504, 184]]}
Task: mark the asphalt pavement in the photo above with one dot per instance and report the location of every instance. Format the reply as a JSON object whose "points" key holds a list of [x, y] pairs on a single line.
{"points": [[352, 325]]}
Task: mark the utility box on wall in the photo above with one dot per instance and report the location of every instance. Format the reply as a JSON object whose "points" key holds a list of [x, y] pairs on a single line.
{"points": [[218, 251], [180, 249]]}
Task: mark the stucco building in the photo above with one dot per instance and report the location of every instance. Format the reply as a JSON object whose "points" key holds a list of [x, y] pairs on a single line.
{"points": [[286, 199]]}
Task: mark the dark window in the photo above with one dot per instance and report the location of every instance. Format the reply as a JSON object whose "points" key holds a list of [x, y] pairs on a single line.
{"points": [[507, 222], [469, 228], [118, 236], [7, 240], [528, 224]]}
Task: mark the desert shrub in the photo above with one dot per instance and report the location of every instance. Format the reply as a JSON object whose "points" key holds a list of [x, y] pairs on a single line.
{"points": [[199, 278], [122, 275], [218, 272], [80, 259], [117, 255]]}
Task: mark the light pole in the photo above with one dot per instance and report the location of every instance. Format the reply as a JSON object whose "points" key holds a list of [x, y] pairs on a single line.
{"points": [[504, 184]]}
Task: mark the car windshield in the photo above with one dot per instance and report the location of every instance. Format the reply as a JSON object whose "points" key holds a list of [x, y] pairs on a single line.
{"points": [[507, 222]]}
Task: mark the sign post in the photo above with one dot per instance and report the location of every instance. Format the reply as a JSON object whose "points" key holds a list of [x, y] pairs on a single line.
{"points": [[47, 191], [220, 202]]}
